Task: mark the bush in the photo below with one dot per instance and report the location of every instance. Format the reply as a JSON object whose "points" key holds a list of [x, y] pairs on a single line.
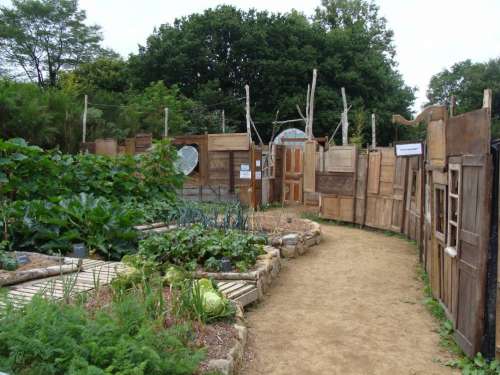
{"points": [[28, 172], [106, 227], [197, 246], [48, 338]]}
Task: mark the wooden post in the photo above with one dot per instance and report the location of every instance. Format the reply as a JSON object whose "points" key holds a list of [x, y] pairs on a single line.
{"points": [[308, 98], [166, 123], [223, 122], [374, 133], [453, 102], [247, 107], [345, 122], [487, 99], [84, 131], [310, 115], [231, 171]]}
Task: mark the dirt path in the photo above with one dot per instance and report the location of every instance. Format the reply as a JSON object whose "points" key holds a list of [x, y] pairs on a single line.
{"points": [[352, 305]]}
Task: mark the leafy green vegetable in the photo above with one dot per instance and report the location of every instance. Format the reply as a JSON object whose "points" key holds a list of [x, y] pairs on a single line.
{"points": [[198, 246]]}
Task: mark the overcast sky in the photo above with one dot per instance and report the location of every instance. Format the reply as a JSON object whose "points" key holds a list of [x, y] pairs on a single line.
{"points": [[429, 35]]}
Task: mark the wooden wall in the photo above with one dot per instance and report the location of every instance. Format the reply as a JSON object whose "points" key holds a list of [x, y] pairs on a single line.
{"points": [[443, 201]]}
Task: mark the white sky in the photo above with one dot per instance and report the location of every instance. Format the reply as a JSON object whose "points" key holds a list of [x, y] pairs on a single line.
{"points": [[429, 35]]}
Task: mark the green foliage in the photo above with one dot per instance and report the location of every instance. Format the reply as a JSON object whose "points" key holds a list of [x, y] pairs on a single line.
{"points": [[194, 301], [29, 172], [7, 262], [106, 227], [53, 200], [196, 246], [477, 366], [41, 37], [212, 55], [222, 216], [123, 338], [466, 81]]}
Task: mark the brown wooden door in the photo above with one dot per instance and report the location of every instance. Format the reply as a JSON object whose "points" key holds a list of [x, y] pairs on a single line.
{"points": [[293, 175], [472, 252], [398, 186]]}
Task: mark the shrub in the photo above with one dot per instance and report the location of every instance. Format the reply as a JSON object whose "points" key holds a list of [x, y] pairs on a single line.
{"points": [[106, 227], [48, 338], [197, 246]]}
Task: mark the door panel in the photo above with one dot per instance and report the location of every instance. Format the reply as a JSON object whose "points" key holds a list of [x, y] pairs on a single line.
{"points": [[472, 252]]}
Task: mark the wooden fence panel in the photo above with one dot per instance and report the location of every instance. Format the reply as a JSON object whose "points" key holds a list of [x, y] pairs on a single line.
{"points": [[361, 180], [374, 159], [473, 252]]}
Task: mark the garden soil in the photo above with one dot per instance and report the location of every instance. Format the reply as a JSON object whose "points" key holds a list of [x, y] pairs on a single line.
{"points": [[352, 305]]}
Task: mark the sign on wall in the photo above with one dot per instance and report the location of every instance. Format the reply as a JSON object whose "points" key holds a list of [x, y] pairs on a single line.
{"points": [[409, 149]]}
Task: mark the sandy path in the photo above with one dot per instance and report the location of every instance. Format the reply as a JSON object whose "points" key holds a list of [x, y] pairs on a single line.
{"points": [[352, 305]]}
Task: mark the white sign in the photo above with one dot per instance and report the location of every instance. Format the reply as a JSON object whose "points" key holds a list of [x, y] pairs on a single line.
{"points": [[257, 163], [258, 175], [244, 167], [408, 149], [245, 175]]}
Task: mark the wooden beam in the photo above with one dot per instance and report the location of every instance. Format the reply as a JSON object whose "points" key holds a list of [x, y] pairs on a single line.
{"points": [[487, 98], [374, 134], [310, 116], [84, 130], [247, 110], [345, 122]]}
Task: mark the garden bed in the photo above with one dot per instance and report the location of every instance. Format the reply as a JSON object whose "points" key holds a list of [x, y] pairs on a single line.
{"points": [[39, 266], [293, 236]]}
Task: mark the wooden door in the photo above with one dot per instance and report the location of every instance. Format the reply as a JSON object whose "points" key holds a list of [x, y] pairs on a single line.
{"points": [[472, 252], [399, 190], [413, 199], [293, 175]]}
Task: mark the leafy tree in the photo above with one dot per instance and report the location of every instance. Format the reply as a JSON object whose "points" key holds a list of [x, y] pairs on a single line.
{"points": [[41, 37], [466, 81], [211, 56]]}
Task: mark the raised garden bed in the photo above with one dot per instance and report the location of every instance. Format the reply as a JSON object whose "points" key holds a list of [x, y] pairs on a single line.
{"points": [[39, 266], [293, 236]]}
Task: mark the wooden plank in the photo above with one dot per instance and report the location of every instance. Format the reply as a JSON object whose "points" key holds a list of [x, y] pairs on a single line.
{"points": [[469, 133], [374, 159], [310, 166], [340, 159], [228, 142], [335, 183], [436, 143]]}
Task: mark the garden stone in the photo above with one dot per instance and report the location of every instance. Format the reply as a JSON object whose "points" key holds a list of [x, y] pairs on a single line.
{"points": [[289, 251], [224, 366], [290, 239]]}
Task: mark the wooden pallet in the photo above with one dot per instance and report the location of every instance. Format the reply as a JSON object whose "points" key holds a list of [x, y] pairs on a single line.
{"points": [[94, 272], [240, 291], [100, 272]]}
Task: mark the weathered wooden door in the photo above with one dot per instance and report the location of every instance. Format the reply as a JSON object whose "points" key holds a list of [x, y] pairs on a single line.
{"points": [[399, 189], [472, 251], [293, 175]]}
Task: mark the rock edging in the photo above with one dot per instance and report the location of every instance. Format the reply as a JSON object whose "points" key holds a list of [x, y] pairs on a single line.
{"points": [[297, 243], [233, 360]]}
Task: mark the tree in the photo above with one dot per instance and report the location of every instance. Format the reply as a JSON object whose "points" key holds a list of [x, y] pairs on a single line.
{"points": [[211, 56], [42, 37], [466, 81]]}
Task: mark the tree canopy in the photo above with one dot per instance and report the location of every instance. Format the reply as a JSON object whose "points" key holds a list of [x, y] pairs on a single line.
{"points": [[41, 37], [466, 81], [197, 67], [211, 56]]}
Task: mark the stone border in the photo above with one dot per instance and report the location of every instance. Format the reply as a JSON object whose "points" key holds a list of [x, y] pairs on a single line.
{"points": [[268, 267], [234, 359], [295, 243]]}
